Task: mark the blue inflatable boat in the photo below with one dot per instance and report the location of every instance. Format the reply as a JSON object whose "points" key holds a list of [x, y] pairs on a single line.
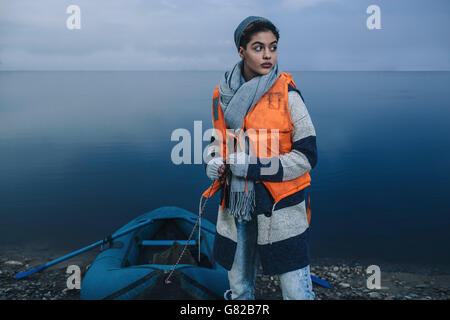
{"points": [[132, 266]]}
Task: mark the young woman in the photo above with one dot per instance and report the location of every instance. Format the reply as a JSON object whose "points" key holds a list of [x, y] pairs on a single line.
{"points": [[262, 216]]}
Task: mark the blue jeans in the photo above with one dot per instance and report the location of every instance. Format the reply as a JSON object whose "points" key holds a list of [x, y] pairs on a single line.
{"points": [[295, 285]]}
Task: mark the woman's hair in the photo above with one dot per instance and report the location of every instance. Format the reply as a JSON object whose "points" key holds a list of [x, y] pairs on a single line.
{"points": [[255, 27]]}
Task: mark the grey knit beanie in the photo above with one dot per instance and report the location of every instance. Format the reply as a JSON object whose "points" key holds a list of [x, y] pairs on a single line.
{"points": [[244, 24]]}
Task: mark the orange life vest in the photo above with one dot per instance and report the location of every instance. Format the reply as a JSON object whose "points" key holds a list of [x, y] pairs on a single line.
{"points": [[271, 112]]}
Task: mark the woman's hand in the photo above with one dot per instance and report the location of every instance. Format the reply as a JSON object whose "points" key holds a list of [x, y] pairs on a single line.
{"points": [[222, 172], [215, 169]]}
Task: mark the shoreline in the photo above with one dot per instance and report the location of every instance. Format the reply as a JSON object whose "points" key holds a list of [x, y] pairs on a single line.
{"points": [[347, 277]]}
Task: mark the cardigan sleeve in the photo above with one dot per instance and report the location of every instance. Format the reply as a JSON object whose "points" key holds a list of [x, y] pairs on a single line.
{"points": [[303, 155]]}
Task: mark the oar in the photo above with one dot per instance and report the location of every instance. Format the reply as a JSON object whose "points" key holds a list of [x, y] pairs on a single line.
{"points": [[321, 282], [24, 274]]}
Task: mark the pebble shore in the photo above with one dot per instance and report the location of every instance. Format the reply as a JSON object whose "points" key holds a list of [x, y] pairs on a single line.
{"points": [[348, 280]]}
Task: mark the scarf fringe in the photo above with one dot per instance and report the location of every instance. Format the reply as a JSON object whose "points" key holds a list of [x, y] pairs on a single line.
{"points": [[242, 205]]}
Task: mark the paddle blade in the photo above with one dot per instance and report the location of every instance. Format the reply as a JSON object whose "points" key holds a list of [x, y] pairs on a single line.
{"points": [[24, 274], [321, 282]]}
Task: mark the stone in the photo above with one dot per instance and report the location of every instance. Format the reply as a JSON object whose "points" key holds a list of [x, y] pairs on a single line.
{"points": [[344, 285], [333, 275], [13, 263]]}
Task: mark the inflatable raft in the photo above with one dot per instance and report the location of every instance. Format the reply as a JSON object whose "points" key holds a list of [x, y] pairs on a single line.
{"points": [[135, 265]]}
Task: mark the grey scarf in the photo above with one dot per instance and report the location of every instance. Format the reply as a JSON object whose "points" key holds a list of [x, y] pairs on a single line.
{"points": [[237, 98]]}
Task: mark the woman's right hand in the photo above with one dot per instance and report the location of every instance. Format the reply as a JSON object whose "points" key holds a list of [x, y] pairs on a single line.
{"points": [[221, 172], [214, 169]]}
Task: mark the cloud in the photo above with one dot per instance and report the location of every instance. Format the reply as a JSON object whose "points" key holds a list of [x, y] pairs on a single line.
{"points": [[300, 4], [198, 34]]}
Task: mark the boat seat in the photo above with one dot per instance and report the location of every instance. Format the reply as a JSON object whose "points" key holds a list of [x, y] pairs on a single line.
{"points": [[166, 242], [172, 254]]}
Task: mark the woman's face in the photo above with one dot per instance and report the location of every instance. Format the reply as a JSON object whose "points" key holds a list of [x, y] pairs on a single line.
{"points": [[260, 55]]}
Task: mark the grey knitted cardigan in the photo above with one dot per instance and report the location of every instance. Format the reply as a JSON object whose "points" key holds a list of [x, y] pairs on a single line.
{"points": [[283, 230]]}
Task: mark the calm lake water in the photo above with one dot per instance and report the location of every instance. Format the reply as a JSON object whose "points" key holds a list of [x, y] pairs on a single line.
{"points": [[82, 153]]}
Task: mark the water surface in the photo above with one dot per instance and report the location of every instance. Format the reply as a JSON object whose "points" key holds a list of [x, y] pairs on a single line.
{"points": [[82, 153]]}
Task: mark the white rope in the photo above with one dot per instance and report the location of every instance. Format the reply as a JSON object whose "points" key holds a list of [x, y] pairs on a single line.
{"points": [[192, 233]]}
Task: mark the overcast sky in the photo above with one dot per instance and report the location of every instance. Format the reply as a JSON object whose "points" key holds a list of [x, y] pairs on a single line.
{"points": [[198, 34]]}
